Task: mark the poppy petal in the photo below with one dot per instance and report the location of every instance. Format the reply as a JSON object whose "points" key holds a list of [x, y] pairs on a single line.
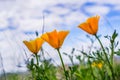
{"points": [[29, 46], [53, 38], [85, 26], [93, 21], [39, 43], [61, 37]]}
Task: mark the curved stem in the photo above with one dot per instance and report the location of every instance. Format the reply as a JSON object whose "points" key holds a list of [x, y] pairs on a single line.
{"points": [[102, 48], [110, 66], [62, 63]]}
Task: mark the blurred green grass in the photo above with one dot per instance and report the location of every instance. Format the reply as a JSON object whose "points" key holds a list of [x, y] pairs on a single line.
{"points": [[16, 76]]}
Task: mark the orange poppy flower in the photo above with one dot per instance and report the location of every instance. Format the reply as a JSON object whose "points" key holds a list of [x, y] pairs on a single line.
{"points": [[54, 38], [34, 45], [91, 25]]}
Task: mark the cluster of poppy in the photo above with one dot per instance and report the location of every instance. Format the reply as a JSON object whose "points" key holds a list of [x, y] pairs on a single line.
{"points": [[56, 39]]}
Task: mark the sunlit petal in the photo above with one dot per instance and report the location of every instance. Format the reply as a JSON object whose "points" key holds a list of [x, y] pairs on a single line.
{"points": [[29, 46], [39, 43], [85, 26], [91, 25], [54, 38], [93, 21], [34, 45], [61, 36]]}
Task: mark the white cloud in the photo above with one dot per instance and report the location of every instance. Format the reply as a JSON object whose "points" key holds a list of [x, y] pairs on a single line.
{"points": [[97, 9], [117, 7], [59, 10], [26, 13], [74, 17], [3, 20], [30, 24]]}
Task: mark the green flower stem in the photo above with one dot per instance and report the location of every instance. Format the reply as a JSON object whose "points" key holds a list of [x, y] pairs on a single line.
{"points": [[37, 59], [62, 63], [110, 66], [112, 53], [111, 56], [102, 48]]}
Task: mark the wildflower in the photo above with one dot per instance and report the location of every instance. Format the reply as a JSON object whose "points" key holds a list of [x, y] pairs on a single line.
{"points": [[54, 38], [34, 45], [93, 64], [91, 25], [99, 65]]}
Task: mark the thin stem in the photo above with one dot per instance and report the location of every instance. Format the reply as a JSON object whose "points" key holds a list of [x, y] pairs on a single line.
{"points": [[62, 63], [37, 59], [112, 52], [110, 66], [102, 48]]}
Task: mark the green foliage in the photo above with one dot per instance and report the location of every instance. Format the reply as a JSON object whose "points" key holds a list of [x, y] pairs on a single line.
{"points": [[43, 71]]}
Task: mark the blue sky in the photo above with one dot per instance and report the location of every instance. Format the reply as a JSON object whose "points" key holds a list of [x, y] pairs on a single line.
{"points": [[19, 19]]}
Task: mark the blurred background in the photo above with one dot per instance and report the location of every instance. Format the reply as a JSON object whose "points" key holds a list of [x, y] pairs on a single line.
{"points": [[20, 19]]}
